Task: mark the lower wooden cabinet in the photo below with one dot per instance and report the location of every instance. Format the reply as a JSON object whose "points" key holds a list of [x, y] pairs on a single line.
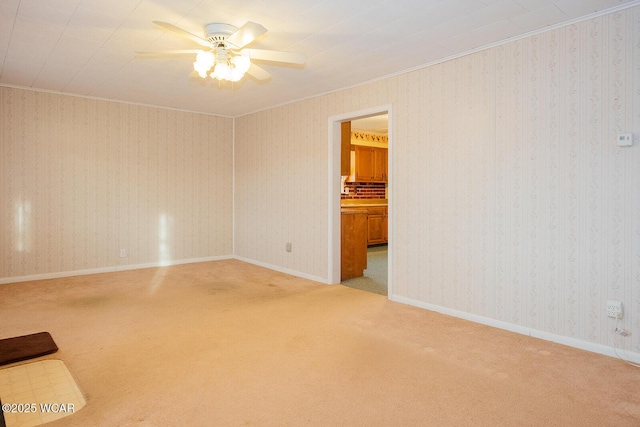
{"points": [[377, 224], [353, 243]]}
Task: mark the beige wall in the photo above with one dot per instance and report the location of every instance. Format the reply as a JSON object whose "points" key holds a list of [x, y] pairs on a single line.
{"points": [[511, 201], [281, 188], [82, 179]]}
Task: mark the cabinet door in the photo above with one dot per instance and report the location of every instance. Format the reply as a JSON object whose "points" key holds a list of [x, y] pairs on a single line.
{"points": [[364, 163], [376, 229], [376, 222], [379, 157]]}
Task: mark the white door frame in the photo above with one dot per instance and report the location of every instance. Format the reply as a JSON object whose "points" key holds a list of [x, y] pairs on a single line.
{"points": [[334, 189]]}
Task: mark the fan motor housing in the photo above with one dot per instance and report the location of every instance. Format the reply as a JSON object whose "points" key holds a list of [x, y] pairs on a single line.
{"points": [[217, 33]]}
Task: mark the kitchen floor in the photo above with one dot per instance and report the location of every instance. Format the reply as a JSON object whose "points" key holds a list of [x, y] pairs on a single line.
{"points": [[374, 277]]}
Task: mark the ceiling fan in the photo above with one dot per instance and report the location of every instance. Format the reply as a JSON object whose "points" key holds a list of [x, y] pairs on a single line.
{"points": [[223, 55]]}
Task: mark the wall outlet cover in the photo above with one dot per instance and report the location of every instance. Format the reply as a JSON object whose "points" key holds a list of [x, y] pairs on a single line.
{"points": [[614, 309]]}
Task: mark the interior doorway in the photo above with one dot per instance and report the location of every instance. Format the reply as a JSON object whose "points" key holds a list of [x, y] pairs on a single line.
{"points": [[370, 128], [364, 188]]}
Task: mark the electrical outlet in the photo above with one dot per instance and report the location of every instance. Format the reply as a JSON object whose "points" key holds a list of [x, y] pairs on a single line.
{"points": [[288, 247], [123, 253], [614, 309]]}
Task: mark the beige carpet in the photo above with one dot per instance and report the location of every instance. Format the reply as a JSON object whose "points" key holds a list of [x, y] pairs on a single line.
{"points": [[231, 344]]}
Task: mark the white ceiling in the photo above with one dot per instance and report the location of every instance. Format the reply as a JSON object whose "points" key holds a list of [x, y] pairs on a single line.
{"points": [[375, 124], [87, 47]]}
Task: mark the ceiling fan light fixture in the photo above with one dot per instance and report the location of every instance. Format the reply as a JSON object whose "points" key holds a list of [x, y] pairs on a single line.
{"points": [[238, 71], [204, 62], [228, 66], [221, 71], [224, 56], [234, 75], [241, 64]]}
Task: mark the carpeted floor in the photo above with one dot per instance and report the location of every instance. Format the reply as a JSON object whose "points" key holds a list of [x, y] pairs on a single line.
{"points": [[228, 343], [374, 278]]}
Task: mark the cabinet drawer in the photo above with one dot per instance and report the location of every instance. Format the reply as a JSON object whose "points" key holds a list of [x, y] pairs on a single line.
{"points": [[377, 211]]}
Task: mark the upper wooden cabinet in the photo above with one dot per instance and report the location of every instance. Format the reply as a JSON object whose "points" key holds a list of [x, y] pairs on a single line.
{"points": [[371, 164], [345, 148], [380, 164]]}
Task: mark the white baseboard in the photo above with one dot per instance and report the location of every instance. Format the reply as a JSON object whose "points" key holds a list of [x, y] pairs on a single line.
{"points": [[112, 269], [547, 336], [282, 270], [60, 274]]}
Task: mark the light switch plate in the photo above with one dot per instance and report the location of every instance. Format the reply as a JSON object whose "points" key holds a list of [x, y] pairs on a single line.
{"points": [[625, 139]]}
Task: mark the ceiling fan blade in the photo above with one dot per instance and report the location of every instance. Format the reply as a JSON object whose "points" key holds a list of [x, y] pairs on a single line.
{"points": [[168, 52], [184, 33], [246, 34], [258, 72], [276, 56]]}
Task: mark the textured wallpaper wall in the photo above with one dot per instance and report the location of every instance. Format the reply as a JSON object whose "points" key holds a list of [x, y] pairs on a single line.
{"points": [[82, 179], [280, 188], [511, 200]]}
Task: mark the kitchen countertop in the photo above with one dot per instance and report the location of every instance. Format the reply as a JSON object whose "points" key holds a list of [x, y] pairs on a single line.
{"points": [[347, 210], [354, 203]]}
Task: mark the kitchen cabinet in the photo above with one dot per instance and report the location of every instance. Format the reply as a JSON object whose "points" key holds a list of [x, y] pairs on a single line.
{"points": [[353, 243], [370, 164], [377, 224], [345, 148], [380, 164]]}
